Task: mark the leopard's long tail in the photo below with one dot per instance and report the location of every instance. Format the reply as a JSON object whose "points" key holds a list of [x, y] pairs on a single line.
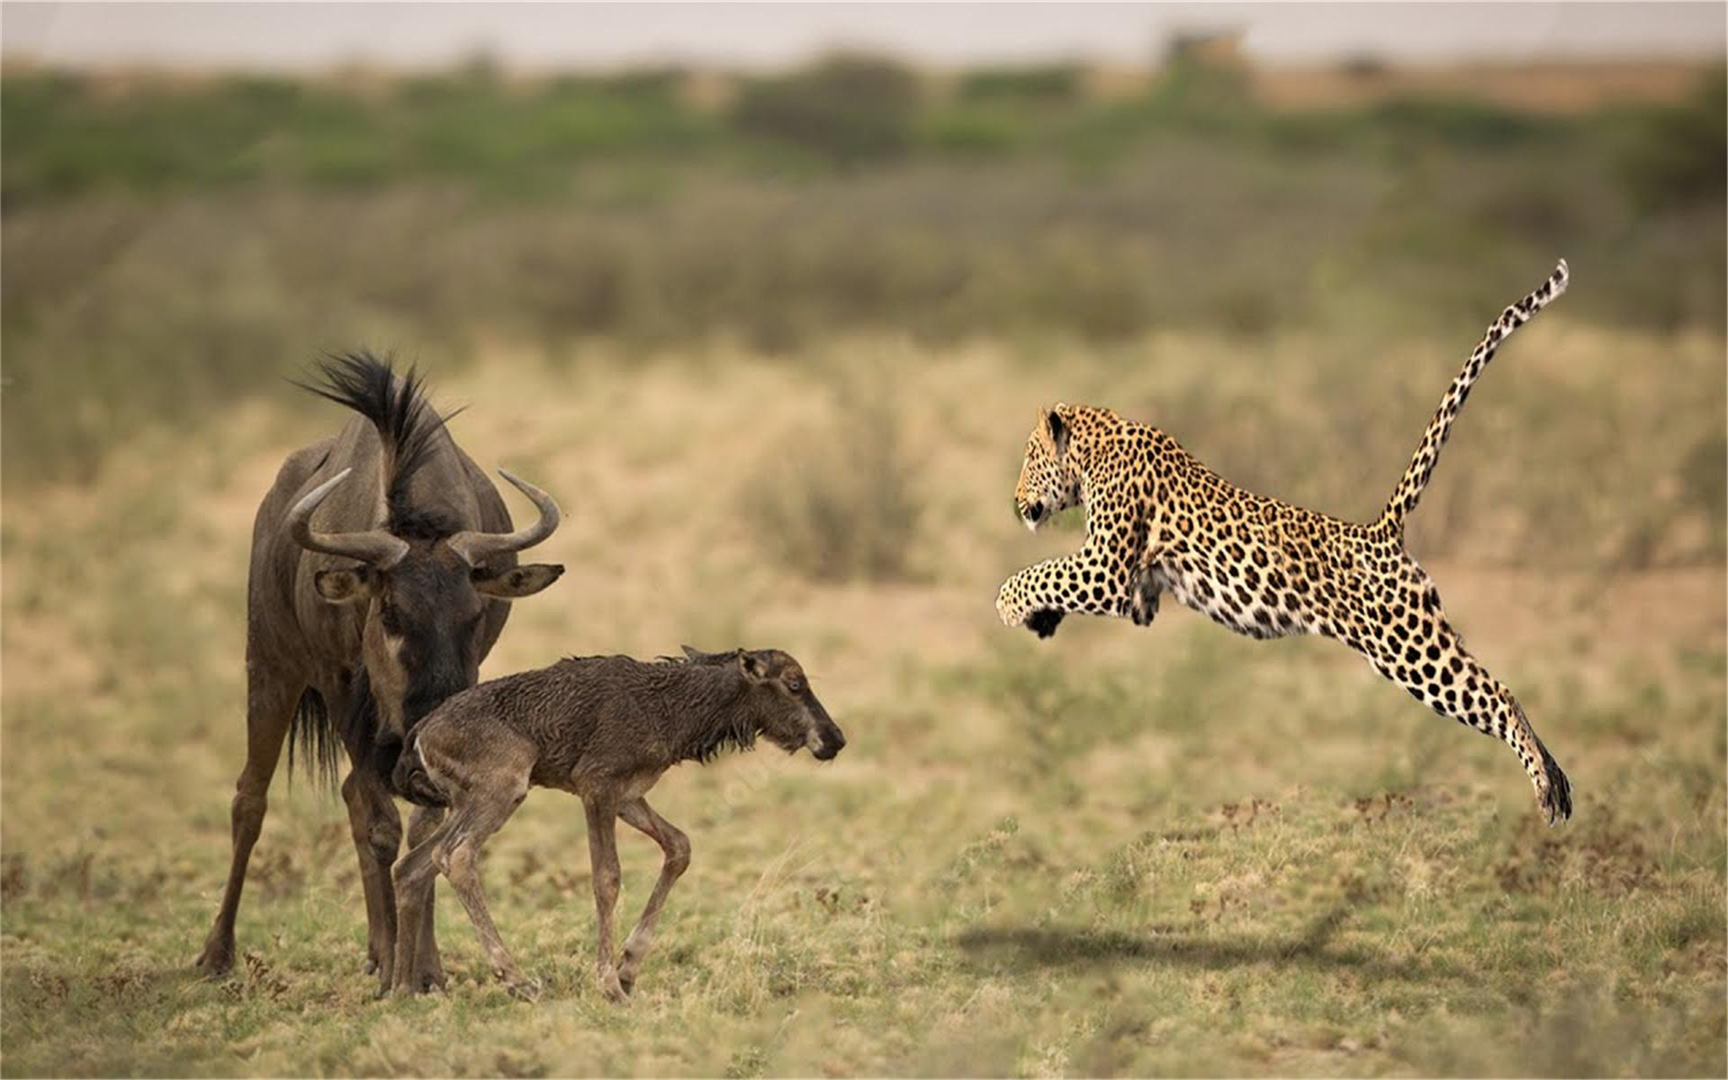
{"points": [[1428, 451]]}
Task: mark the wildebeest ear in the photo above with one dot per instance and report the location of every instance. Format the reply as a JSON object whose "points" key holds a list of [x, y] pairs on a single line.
{"points": [[344, 586], [516, 582], [752, 666], [1058, 432]]}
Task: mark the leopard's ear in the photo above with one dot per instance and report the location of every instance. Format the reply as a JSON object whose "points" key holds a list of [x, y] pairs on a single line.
{"points": [[1058, 431]]}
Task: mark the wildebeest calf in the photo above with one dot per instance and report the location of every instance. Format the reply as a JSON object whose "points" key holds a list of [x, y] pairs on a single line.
{"points": [[603, 728]]}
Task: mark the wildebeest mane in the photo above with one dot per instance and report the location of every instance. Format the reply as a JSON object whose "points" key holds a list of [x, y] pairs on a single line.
{"points": [[735, 735], [406, 424]]}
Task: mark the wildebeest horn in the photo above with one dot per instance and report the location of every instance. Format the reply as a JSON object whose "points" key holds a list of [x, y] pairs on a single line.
{"points": [[476, 547], [374, 547]]}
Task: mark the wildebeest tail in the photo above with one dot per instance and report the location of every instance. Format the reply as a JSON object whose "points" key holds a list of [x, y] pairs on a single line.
{"points": [[312, 733]]}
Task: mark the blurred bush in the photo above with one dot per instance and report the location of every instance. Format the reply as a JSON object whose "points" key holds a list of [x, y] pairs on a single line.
{"points": [[1039, 84], [837, 503], [1677, 157], [846, 108]]}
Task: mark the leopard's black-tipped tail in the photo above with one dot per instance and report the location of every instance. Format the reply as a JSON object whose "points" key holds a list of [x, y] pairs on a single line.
{"points": [[1422, 463], [1557, 800]]}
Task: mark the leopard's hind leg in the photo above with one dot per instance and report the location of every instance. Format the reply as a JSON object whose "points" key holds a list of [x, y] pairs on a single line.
{"points": [[1145, 589], [1404, 633]]}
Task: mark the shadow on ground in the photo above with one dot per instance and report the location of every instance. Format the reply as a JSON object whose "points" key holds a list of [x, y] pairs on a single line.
{"points": [[1025, 948]]}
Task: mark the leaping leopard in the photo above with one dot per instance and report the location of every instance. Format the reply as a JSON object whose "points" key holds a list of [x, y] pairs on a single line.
{"points": [[1158, 520]]}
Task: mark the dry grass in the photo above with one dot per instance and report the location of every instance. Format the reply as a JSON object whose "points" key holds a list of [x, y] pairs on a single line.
{"points": [[1119, 851]]}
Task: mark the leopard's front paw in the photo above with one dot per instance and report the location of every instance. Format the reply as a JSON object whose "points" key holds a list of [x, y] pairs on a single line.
{"points": [[1044, 622]]}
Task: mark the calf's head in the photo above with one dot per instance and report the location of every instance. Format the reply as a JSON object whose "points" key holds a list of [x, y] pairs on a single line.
{"points": [[425, 600], [778, 696]]}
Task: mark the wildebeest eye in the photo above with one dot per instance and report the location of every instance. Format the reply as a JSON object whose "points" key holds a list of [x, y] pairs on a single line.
{"points": [[795, 684]]}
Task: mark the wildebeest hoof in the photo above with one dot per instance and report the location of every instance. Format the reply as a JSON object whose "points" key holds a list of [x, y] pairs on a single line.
{"points": [[215, 961], [1044, 622], [410, 988], [627, 980]]}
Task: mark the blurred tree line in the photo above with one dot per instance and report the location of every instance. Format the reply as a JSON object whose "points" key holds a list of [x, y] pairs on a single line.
{"points": [[67, 133], [214, 231]]}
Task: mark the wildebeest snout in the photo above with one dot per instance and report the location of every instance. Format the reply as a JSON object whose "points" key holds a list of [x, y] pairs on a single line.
{"points": [[832, 743], [829, 741]]}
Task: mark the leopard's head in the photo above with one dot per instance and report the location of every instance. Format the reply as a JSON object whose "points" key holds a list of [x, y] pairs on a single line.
{"points": [[1049, 480]]}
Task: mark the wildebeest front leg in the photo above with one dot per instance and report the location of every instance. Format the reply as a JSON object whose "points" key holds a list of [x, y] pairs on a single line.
{"points": [[377, 829], [676, 847], [427, 972], [603, 854]]}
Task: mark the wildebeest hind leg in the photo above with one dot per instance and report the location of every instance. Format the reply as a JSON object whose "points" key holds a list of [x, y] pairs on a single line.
{"points": [[270, 704]]}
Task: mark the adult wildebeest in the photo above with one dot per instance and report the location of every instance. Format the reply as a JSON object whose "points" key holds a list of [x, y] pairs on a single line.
{"points": [[603, 728], [380, 562]]}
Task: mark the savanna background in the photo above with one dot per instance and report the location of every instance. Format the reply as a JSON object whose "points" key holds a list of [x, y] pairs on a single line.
{"points": [[774, 333]]}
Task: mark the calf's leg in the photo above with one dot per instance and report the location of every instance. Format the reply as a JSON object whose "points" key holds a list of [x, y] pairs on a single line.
{"points": [[603, 853], [413, 877], [458, 855], [676, 847], [428, 970]]}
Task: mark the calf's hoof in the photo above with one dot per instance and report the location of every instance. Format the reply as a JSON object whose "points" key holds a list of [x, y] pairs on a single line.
{"points": [[613, 987], [524, 989]]}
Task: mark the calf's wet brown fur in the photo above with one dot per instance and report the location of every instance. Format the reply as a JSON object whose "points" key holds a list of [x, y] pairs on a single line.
{"points": [[604, 729]]}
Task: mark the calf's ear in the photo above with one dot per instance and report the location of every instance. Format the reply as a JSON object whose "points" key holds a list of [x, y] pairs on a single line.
{"points": [[516, 582], [697, 656], [752, 666], [344, 586]]}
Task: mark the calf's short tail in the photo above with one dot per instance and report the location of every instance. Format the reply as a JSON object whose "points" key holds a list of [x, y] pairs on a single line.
{"points": [[411, 780]]}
